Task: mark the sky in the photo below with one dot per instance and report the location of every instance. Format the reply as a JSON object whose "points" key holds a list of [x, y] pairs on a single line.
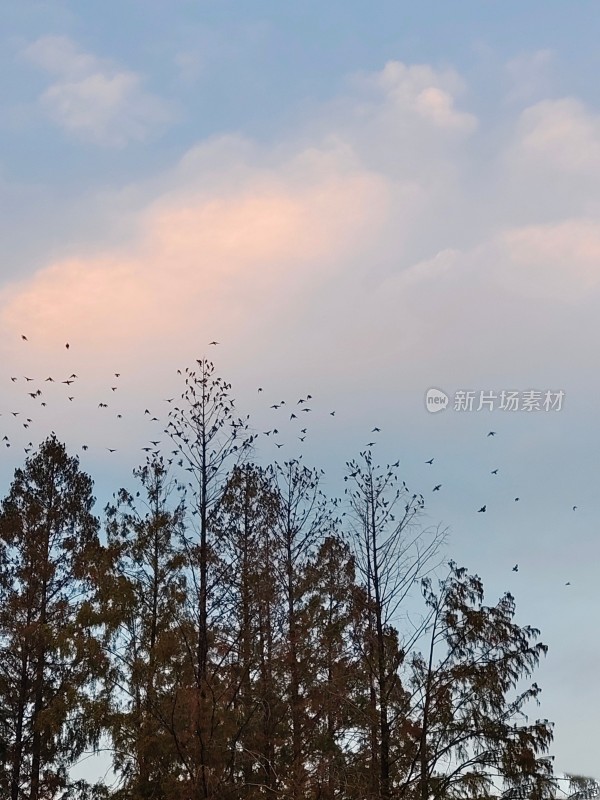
{"points": [[357, 201]]}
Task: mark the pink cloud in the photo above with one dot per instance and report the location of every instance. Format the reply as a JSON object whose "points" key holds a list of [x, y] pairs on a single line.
{"points": [[199, 260]]}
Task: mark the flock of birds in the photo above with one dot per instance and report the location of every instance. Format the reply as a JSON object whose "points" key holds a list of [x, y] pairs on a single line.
{"points": [[152, 446]]}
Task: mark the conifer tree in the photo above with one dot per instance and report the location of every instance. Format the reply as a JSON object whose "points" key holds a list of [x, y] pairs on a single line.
{"points": [[50, 654], [391, 552], [468, 698], [144, 596]]}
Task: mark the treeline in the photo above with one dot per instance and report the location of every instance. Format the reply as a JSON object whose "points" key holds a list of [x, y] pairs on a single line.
{"points": [[237, 634]]}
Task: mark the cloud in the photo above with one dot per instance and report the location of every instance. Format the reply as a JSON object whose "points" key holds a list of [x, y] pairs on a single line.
{"points": [[420, 91], [562, 134], [220, 256], [92, 98]]}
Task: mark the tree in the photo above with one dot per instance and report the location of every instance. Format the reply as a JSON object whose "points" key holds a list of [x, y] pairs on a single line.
{"points": [[303, 520], [143, 596], [391, 553], [245, 521], [467, 698], [209, 440], [50, 655]]}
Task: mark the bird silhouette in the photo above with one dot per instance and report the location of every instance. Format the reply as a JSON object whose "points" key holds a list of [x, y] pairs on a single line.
{"points": [[430, 461], [376, 430], [515, 568], [516, 499], [492, 433], [568, 583], [25, 339], [482, 509], [494, 472], [332, 413], [437, 488], [213, 343], [574, 508], [67, 345]]}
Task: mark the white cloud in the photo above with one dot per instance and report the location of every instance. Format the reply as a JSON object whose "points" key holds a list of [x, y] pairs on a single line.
{"points": [[561, 133], [92, 98], [421, 91]]}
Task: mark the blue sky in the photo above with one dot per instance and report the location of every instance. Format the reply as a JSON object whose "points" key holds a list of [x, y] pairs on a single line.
{"points": [[358, 202]]}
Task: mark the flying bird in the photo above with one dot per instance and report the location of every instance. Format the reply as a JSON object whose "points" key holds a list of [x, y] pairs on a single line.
{"points": [[332, 413], [516, 499], [492, 433], [213, 343], [430, 461], [515, 568], [25, 339], [13, 379], [494, 472], [376, 430], [574, 508], [67, 345], [568, 583], [437, 488], [481, 510]]}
